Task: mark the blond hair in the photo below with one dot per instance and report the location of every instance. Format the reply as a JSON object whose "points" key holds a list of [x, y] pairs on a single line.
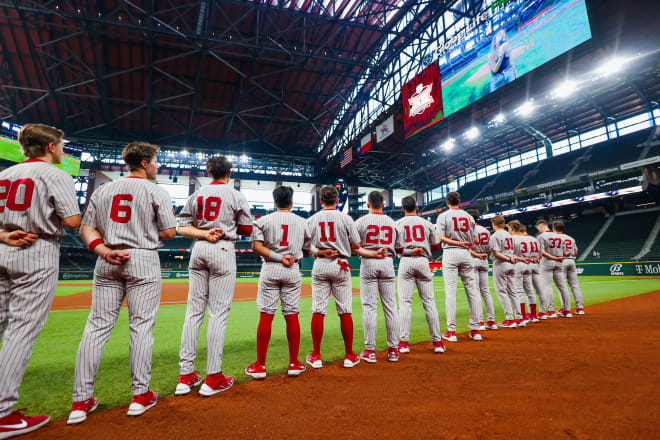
{"points": [[35, 138]]}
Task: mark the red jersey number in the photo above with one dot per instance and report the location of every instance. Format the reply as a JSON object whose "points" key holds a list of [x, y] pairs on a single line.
{"points": [[373, 235], [121, 212], [555, 243], [535, 246], [416, 235], [285, 236], [523, 247], [567, 245], [483, 239], [330, 234], [9, 191], [208, 209], [508, 244], [464, 224]]}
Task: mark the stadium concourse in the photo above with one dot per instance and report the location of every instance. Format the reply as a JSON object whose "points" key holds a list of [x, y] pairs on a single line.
{"points": [[481, 167]]}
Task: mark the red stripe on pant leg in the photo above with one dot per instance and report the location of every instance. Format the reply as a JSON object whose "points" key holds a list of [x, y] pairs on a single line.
{"points": [[293, 336], [263, 337], [346, 321], [317, 332]]}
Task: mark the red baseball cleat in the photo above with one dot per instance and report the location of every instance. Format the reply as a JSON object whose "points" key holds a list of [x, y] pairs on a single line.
{"points": [[369, 356], [351, 360], [542, 316], [314, 360], [438, 347], [141, 403], [509, 323], [257, 371], [392, 354], [216, 383], [79, 410], [521, 323], [296, 368], [476, 335], [482, 326], [186, 382], [490, 325], [404, 347], [579, 311], [450, 336], [16, 423]]}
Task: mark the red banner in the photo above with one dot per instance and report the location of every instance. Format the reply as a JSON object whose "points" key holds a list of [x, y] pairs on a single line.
{"points": [[422, 100]]}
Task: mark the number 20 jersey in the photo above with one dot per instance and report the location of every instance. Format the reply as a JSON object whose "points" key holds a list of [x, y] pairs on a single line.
{"points": [[217, 205], [129, 213], [35, 196]]}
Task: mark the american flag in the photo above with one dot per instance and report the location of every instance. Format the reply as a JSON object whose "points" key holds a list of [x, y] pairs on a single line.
{"points": [[346, 157]]}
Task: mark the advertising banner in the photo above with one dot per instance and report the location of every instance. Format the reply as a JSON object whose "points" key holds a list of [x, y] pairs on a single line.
{"points": [[422, 101]]}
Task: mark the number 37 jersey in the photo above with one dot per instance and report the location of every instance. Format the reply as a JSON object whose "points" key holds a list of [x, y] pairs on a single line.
{"points": [[129, 213]]}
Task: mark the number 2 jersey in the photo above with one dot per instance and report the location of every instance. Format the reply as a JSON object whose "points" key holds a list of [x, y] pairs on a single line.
{"points": [[413, 231], [129, 212], [376, 231], [218, 205], [283, 232], [35, 196], [481, 238], [457, 225]]}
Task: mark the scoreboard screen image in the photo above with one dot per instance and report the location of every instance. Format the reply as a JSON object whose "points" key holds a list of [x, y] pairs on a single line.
{"points": [[504, 42]]}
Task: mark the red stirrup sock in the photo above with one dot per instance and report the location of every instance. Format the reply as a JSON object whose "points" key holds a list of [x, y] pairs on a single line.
{"points": [[522, 310], [346, 321], [263, 337], [533, 306], [293, 336], [317, 332]]}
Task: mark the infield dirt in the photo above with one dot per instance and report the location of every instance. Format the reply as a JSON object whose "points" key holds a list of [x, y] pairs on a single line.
{"points": [[594, 376]]}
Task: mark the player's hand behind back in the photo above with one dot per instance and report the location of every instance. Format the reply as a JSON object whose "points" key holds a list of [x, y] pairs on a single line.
{"points": [[117, 257], [327, 253], [19, 238], [214, 235], [288, 260], [417, 251]]}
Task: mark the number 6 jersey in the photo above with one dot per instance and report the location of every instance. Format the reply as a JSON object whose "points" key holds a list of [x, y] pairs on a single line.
{"points": [[35, 196], [129, 213]]}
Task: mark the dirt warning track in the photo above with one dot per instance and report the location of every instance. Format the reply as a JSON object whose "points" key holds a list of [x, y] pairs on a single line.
{"points": [[588, 377]]}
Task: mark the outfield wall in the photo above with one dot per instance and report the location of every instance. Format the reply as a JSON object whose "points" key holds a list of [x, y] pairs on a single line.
{"points": [[606, 268]]}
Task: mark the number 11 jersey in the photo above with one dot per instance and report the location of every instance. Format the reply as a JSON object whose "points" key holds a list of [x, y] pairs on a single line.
{"points": [[330, 229]]}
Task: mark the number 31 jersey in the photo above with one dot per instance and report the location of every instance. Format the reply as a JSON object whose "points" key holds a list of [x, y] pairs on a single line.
{"points": [[129, 213], [457, 225], [35, 196], [217, 205], [377, 231]]}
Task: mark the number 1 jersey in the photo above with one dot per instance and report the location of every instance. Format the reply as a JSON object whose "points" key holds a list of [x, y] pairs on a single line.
{"points": [[129, 212], [283, 232]]}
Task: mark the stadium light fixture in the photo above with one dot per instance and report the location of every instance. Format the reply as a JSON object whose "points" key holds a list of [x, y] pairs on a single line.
{"points": [[565, 89], [244, 158], [526, 109], [612, 65], [499, 118], [448, 145], [185, 153], [472, 133]]}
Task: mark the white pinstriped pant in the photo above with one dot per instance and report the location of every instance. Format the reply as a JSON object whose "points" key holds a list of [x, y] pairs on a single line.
{"points": [[574, 284], [507, 289], [328, 279], [455, 262], [138, 280], [550, 270], [537, 281], [524, 275], [377, 276], [481, 275], [212, 281], [415, 271], [28, 279], [278, 282]]}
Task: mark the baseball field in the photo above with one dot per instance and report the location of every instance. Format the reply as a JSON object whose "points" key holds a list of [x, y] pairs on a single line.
{"points": [[47, 384]]}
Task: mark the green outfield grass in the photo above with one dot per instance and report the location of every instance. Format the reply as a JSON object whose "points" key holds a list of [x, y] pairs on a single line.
{"points": [[48, 381]]}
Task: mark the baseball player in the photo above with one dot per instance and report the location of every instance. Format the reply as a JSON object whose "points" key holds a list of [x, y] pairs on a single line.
{"points": [[279, 238], [329, 229], [124, 223], [455, 228], [416, 240], [521, 250], [214, 215], [480, 265], [534, 279], [377, 276], [552, 252], [36, 201], [570, 253], [504, 271]]}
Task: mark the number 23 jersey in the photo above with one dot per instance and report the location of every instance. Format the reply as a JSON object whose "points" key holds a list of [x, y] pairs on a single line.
{"points": [[129, 212], [377, 231]]}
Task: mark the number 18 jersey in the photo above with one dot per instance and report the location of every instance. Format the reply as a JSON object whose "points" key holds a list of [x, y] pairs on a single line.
{"points": [[129, 213], [457, 225]]}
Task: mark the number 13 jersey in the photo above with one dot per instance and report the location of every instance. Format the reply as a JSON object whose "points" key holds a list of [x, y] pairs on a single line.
{"points": [[129, 213], [457, 225]]}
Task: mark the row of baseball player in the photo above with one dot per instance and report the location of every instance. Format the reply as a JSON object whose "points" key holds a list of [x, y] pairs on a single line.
{"points": [[124, 223]]}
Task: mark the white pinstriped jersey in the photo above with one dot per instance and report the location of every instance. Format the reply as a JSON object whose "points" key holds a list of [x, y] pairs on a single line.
{"points": [[551, 243], [570, 245], [502, 242], [217, 205], [521, 246], [534, 248], [455, 224], [35, 196], [283, 232], [482, 236], [413, 231], [129, 212], [330, 229], [377, 231]]}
